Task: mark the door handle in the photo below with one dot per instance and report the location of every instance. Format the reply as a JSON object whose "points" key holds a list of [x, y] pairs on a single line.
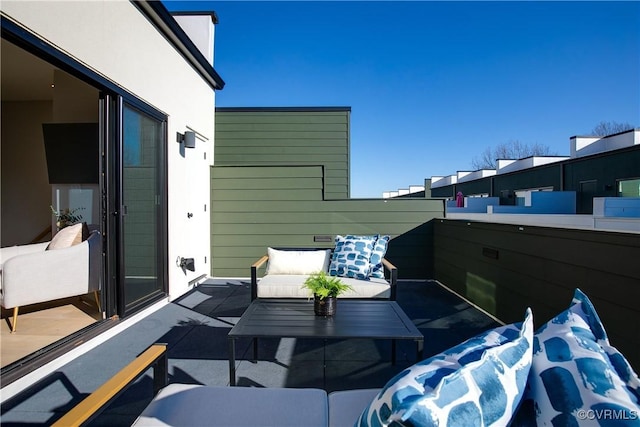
{"points": [[124, 211]]}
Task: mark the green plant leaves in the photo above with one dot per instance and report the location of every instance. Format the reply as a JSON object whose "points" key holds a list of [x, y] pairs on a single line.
{"points": [[323, 286]]}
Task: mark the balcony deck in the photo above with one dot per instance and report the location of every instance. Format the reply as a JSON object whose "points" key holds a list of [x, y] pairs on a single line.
{"points": [[195, 328]]}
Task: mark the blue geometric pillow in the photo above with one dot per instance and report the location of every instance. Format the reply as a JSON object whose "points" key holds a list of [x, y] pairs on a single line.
{"points": [[577, 377], [375, 262], [351, 256], [478, 382]]}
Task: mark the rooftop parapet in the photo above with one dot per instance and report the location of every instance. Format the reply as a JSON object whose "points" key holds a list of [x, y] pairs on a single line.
{"points": [[476, 175], [528, 162], [442, 181], [586, 145]]}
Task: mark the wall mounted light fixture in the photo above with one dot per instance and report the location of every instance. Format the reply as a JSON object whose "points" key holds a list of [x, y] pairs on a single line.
{"points": [[188, 139]]}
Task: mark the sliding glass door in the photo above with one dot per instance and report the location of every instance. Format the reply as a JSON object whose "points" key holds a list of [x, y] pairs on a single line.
{"points": [[143, 207]]}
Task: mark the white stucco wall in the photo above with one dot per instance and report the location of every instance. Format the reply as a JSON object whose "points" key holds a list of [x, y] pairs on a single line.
{"points": [[115, 40], [200, 30]]}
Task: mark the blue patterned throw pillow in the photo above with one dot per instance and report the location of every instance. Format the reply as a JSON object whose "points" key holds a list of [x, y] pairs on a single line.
{"points": [[577, 377], [375, 261], [351, 256], [477, 383]]}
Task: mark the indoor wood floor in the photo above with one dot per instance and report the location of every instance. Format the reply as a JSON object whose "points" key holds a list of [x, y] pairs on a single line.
{"points": [[42, 324]]}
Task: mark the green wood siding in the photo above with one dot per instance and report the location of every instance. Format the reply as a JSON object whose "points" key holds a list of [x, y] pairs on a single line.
{"points": [[285, 136], [506, 268], [253, 208]]}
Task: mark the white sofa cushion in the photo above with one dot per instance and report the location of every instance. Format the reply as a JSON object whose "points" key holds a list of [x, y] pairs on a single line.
{"points": [[297, 262], [290, 286], [197, 405]]}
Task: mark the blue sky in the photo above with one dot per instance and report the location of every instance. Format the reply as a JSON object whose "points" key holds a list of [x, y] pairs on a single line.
{"points": [[433, 84]]}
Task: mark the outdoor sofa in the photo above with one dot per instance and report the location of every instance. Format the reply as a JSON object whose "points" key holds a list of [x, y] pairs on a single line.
{"points": [[565, 373], [358, 261]]}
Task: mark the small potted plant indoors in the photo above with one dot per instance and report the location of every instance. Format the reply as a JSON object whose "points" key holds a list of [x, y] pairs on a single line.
{"points": [[325, 290], [66, 217]]}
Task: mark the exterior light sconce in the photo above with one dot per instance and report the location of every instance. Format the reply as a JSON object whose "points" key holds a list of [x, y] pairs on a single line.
{"points": [[188, 139]]}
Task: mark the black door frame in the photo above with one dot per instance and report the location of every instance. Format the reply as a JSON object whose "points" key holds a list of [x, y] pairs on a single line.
{"points": [[116, 210], [112, 100]]}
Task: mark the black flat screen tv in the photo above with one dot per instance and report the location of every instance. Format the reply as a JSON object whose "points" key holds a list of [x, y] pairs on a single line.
{"points": [[72, 151]]}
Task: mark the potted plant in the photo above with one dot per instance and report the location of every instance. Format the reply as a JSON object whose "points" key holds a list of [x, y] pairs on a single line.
{"points": [[325, 290], [66, 217]]}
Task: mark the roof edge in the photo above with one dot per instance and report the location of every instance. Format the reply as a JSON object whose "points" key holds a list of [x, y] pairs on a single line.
{"points": [[606, 136], [160, 17], [281, 109], [212, 14]]}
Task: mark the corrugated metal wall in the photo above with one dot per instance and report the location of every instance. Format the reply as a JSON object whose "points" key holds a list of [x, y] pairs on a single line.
{"points": [[287, 136], [255, 207], [506, 268]]}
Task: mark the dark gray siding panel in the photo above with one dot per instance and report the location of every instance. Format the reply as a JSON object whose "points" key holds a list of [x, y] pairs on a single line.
{"points": [[246, 220], [477, 186], [272, 136], [506, 268], [603, 170], [541, 176]]}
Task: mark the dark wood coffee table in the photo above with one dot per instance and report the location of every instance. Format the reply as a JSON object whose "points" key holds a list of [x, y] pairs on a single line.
{"points": [[273, 318]]}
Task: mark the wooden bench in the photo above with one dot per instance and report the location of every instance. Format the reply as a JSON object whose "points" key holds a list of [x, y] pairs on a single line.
{"points": [[96, 402]]}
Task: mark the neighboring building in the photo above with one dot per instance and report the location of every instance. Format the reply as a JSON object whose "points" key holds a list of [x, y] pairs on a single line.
{"points": [[414, 191], [144, 81], [597, 167]]}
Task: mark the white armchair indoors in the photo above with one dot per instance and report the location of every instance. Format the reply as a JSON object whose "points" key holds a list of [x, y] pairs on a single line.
{"points": [[67, 266]]}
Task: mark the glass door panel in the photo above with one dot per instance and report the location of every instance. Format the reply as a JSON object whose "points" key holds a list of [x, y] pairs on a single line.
{"points": [[141, 210]]}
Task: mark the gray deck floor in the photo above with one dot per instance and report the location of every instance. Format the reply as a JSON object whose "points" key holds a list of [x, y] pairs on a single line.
{"points": [[195, 328]]}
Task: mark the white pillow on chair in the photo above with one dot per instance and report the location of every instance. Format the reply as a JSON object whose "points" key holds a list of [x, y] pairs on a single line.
{"points": [[298, 262]]}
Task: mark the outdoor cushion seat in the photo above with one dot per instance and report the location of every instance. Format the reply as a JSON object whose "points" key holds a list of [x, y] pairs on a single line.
{"points": [[345, 406], [190, 405], [288, 269], [290, 286]]}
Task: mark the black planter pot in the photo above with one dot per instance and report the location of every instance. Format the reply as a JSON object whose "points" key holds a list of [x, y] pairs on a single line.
{"points": [[324, 307]]}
